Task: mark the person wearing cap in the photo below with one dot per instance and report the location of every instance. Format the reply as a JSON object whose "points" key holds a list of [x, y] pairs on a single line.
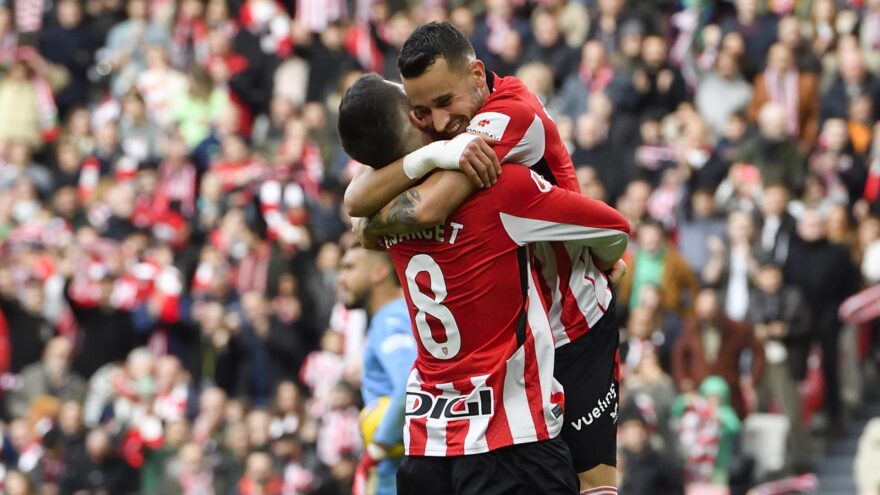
{"points": [[708, 432], [646, 471]]}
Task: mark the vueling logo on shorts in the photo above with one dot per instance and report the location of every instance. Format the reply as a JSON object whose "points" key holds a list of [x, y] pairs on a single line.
{"points": [[421, 404], [602, 405]]}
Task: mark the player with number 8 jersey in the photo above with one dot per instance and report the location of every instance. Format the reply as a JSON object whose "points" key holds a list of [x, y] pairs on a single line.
{"points": [[483, 378], [483, 410]]}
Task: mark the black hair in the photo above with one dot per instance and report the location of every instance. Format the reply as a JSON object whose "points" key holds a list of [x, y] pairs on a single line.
{"points": [[432, 41], [372, 119], [653, 222]]}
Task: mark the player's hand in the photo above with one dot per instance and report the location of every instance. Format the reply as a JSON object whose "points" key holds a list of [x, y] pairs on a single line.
{"points": [[618, 271], [359, 229], [479, 162]]}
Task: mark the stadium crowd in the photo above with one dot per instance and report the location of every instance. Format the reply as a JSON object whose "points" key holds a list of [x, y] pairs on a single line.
{"points": [[171, 224]]}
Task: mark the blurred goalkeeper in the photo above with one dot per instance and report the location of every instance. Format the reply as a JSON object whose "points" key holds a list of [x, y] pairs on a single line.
{"points": [[367, 280]]}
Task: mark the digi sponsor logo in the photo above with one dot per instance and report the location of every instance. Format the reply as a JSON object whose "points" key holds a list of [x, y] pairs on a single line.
{"points": [[422, 404]]}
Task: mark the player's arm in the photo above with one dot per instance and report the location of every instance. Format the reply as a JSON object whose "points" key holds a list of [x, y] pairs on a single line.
{"points": [[533, 210], [373, 189], [423, 206], [397, 352]]}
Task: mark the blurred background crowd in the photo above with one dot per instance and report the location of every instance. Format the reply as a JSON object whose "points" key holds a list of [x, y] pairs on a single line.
{"points": [[171, 225]]}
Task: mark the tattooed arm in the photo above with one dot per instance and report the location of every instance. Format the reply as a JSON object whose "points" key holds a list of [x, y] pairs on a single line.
{"points": [[422, 206]]}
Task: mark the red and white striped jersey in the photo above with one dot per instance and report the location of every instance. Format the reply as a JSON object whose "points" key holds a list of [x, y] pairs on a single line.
{"points": [[483, 378], [575, 289]]}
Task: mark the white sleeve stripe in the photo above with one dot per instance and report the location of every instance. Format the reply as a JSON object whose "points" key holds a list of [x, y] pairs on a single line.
{"points": [[525, 230], [530, 148]]}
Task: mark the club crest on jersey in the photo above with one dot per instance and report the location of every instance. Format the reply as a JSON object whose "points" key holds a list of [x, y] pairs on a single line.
{"points": [[490, 124], [422, 404]]}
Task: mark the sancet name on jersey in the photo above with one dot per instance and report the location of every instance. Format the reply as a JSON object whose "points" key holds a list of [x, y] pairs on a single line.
{"points": [[440, 233]]}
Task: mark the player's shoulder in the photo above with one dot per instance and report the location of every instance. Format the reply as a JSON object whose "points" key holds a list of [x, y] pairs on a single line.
{"points": [[502, 110]]}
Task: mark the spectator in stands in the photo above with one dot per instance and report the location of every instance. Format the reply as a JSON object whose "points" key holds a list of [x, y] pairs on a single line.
{"points": [[29, 114], [99, 469], [712, 344], [657, 263], [594, 75], [824, 286], [656, 85], [698, 222], [732, 263], [645, 469], [708, 433], [51, 376], [796, 91], [757, 28], [851, 81], [836, 164], [126, 45], [549, 47], [780, 320], [778, 159], [722, 92], [70, 43], [28, 330], [790, 33]]}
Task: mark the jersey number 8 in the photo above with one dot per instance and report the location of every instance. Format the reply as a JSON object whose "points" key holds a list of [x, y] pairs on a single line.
{"points": [[432, 306]]}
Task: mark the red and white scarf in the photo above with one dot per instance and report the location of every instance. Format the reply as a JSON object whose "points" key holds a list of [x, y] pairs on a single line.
{"points": [[784, 90], [700, 438], [190, 43], [176, 183], [48, 112]]}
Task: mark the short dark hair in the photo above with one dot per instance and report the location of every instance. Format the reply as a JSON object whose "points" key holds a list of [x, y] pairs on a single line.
{"points": [[372, 120], [432, 41]]}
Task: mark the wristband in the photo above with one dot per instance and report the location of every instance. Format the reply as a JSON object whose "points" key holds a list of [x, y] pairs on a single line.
{"points": [[421, 161], [440, 154], [448, 158]]}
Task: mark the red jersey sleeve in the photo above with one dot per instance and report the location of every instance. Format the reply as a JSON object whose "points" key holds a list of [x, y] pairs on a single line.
{"points": [[533, 210], [517, 128]]}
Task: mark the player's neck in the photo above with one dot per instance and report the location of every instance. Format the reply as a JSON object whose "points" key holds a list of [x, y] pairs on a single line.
{"points": [[382, 295]]}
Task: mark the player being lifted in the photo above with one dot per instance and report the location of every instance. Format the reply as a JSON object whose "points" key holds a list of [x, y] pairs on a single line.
{"points": [[483, 410], [451, 92]]}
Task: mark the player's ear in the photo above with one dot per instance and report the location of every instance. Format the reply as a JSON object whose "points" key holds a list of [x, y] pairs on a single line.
{"points": [[379, 273], [478, 71]]}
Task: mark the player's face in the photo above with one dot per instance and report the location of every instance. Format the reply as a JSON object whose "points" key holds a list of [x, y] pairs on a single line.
{"points": [[444, 99], [353, 281]]}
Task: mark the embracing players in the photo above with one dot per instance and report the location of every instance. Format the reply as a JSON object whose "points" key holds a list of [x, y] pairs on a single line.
{"points": [[451, 92]]}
